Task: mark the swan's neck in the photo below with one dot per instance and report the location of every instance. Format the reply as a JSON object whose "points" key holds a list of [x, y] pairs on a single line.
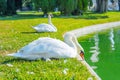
{"points": [[49, 19], [50, 22], [72, 41], [79, 47], [68, 40]]}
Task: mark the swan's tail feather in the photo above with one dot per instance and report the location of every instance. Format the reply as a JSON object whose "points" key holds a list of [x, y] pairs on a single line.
{"points": [[15, 55], [33, 27], [10, 54]]}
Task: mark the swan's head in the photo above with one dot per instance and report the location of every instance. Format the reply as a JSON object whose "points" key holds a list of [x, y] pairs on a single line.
{"points": [[82, 54], [50, 15], [71, 40]]}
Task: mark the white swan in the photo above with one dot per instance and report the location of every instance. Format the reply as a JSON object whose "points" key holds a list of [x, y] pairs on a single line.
{"points": [[46, 48], [46, 27]]}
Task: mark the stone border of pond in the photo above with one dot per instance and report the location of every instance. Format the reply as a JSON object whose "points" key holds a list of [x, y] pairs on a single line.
{"points": [[94, 28], [91, 29]]}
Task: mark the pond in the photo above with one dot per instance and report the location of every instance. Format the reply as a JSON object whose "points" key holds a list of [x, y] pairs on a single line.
{"points": [[102, 52]]}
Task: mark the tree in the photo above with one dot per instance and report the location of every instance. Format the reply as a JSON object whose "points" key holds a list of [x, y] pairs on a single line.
{"points": [[2, 7], [101, 5], [73, 6], [52, 4], [10, 7], [45, 5], [119, 4], [82, 5], [90, 2], [67, 6], [18, 4]]}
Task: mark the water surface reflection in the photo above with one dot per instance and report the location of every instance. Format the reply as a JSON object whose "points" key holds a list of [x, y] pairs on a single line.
{"points": [[103, 53]]}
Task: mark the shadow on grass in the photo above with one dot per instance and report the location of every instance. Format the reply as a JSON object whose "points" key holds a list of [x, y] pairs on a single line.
{"points": [[34, 32], [34, 16], [92, 17], [88, 16], [16, 59], [20, 60], [30, 32], [21, 16], [25, 60]]}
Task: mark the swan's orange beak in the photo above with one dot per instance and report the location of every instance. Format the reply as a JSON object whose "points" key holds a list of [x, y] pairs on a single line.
{"points": [[82, 55]]}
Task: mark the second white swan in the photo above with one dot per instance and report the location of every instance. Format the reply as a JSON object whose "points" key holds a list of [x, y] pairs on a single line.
{"points": [[46, 27]]}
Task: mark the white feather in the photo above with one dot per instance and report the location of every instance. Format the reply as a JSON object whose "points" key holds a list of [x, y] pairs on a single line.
{"points": [[46, 47], [46, 27]]}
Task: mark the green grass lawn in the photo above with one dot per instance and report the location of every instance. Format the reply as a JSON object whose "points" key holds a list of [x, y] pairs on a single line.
{"points": [[16, 32]]}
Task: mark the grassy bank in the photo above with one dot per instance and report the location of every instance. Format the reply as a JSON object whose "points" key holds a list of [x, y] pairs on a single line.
{"points": [[16, 32]]}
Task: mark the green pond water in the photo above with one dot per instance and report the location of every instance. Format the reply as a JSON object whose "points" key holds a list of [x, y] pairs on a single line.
{"points": [[102, 52]]}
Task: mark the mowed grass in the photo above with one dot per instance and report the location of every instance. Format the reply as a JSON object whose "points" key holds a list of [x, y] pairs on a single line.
{"points": [[16, 32]]}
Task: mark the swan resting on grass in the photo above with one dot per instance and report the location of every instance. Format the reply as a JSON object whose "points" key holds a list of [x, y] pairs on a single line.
{"points": [[47, 48], [46, 27]]}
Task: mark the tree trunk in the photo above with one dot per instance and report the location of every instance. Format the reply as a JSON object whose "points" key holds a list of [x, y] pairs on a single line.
{"points": [[101, 5], [10, 7], [2, 7], [119, 4], [18, 4]]}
